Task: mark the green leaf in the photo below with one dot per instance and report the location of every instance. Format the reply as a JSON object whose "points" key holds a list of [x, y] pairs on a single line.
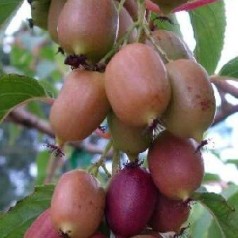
{"points": [[14, 223], [200, 220], [16, 89], [224, 212], [230, 69], [209, 177], [164, 24], [209, 23], [7, 7]]}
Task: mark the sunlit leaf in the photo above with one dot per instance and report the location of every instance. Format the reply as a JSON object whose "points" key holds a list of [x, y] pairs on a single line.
{"points": [[230, 69], [225, 213], [14, 223], [209, 24], [7, 7]]}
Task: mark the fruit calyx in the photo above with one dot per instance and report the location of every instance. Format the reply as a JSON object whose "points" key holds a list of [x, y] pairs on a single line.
{"points": [[81, 61], [134, 164]]}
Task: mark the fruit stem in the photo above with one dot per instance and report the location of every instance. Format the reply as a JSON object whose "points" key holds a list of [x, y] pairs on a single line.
{"points": [[132, 157], [118, 44], [120, 6], [140, 21], [115, 161], [93, 169], [56, 160]]}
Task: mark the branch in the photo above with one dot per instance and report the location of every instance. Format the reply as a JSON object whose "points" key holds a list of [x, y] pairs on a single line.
{"points": [[225, 112], [22, 117], [222, 84]]}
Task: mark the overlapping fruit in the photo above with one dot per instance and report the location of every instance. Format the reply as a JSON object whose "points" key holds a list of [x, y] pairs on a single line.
{"points": [[154, 95]]}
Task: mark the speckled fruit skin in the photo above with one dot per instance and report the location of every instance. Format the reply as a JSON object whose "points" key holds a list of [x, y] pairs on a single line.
{"points": [[176, 167], [88, 27], [166, 6], [129, 139], [130, 201], [192, 107], [173, 46], [136, 84], [42, 227], [80, 107], [169, 215], [55, 9], [77, 205]]}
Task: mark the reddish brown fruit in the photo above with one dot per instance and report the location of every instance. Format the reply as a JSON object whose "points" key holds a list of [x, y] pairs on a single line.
{"points": [[172, 45], [176, 166], [80, 107], [55, 9], [98, 235], [88, 27], [132, 7], [137, 85], [42, 227], [125, 22], [77, 205], [130, 201], [192, 107], [169, 215], [130, 140]]}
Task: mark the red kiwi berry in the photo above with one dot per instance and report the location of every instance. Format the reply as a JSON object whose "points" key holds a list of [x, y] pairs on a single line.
{"points": [[98, 235], [176, 165], [88, 27], [42, 227], [125, 22], [136, 84], [132, 7], [128, 139], [172, 45], [169, 215], [130, 200], [192, 107], [77, 205], [55, 9], [80, 107]]}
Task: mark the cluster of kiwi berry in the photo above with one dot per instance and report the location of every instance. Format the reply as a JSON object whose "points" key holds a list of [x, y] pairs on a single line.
{"points": [[140, 81]]}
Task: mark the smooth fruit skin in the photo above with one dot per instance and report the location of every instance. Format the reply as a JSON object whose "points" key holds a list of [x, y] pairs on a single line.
{"points": [[172, 45], [132, 7], [125, 22], [176, 166], [55, 9], [193, 105], [166, 6], [130, 201], [77, 205], [88, 27], [136, 84], [80, 107], [169, 215], [42, 227], [39, 13], [98, 235], [129, 139]]}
